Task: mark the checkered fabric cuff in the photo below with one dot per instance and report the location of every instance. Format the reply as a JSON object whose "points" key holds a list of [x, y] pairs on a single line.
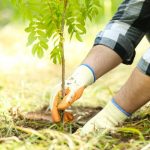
{"points": [[144, 63], [120, 37]]}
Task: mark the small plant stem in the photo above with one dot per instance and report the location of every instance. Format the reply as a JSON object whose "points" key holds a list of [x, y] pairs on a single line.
{"points": [[62, 54], [62, 47]]}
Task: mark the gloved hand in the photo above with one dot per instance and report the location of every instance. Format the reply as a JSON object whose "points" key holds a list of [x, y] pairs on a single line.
{"points": [[74, 87], [108, 118]]}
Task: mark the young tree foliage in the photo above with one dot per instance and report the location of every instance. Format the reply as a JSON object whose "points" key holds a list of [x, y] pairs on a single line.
{"points": [[45, 22], [47, 19]]}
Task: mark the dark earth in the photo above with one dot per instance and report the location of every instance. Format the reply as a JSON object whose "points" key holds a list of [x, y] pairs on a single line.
{"points": [[40, 119]]}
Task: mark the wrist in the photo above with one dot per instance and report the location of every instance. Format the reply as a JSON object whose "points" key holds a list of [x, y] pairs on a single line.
{"points": [[114, 114], [84, 75]]}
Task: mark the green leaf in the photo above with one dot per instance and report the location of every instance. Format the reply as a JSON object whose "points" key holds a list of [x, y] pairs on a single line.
{"points": [[81, 20], [41, 33], [41, 26], [55, 55], [31, 38], [29, 29], [40, 52], [44, 45], [82, 28], [79, 37], [90, 17], [70, 28], [42, 39], [71, 35], [34, 49]]}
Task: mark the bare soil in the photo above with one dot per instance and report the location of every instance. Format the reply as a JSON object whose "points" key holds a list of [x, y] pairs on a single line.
{"points": [[41, 119]]}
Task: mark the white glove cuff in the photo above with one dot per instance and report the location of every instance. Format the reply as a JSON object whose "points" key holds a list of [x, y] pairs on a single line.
{"points": [[113, 114], [84, 75]]}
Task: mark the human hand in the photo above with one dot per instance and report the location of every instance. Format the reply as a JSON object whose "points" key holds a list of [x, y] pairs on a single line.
{"points": [[107, 119], [74, 87]]}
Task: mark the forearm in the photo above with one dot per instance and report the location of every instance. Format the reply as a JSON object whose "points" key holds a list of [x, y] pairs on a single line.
{"points": [[135, 93], [102, 59]]}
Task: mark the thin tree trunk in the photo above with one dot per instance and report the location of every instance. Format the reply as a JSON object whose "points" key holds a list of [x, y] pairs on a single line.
{"points": [[62, 47], [62, 54]]}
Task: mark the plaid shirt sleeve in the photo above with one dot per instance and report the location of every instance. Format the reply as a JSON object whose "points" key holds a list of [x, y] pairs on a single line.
{"points": [[126, 29]]}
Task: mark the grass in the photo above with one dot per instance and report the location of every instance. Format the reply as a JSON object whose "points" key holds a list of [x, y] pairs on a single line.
{"points": [[53, 137], [26, 82]]}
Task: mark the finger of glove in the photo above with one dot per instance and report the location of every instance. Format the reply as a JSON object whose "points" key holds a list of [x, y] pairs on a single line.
{"points": [[70, 98], [54, 109], [90, 126], [68, 117], [54, 95]]}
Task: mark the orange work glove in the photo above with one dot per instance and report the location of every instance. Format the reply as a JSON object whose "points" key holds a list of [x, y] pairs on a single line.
{"points": [[74, 87]]}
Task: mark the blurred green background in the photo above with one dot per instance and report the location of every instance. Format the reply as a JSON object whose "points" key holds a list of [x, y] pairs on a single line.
{"points": [[9, 13]]}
